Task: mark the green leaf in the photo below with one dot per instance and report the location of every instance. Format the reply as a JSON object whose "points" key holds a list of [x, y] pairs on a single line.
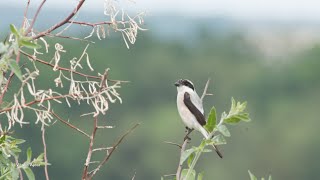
{"points": [[232, 120], [224, 130], [218, 140], [14, 30], [252, 177], [2, 139], [212, 120], [185, 154], [29, 173], [237, 118], [15, 68], [29, 155], [192, 175], [29, 44], [18, 141], [200, 176], [270, 178], [190, 159]]}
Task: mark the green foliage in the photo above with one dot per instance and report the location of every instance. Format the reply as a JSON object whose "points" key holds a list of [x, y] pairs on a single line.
{"points": [[235, 115], [253, 177], [11, 49], [9, 155]]}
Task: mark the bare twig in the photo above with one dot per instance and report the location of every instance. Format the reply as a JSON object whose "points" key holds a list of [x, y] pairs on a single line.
{"points": [[102, 149], [134, 176], [86, 165], [6, 87], [45, 152], [205, 90], [35, 17], [172, 143], [114, 147], [61, 23], [25, 13], [69, 124], [183, 148], [19, 169], [169, 175], [69, 37], [90, 24]]}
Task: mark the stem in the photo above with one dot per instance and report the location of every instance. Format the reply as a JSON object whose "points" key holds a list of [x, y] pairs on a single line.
{"points": [[45, 152], [183, 147], [194, 162], [86, 166]]}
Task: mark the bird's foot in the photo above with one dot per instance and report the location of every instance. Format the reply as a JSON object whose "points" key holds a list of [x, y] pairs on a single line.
{"points": [[186, 138]]}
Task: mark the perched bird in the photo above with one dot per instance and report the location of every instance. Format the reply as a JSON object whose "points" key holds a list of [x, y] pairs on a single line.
{"points": [[190, 109]]}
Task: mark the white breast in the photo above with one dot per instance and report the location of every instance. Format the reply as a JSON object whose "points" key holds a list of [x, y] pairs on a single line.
{"points": [[187, 117]]}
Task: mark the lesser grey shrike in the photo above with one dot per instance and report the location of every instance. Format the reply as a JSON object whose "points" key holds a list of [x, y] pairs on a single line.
{"points": [[190, 109]]}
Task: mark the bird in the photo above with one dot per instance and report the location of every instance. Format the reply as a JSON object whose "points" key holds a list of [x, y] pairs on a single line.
{"points": [[190, 109]]}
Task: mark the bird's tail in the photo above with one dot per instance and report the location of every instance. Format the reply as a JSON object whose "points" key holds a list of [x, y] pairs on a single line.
{"points": [[206, 135]]}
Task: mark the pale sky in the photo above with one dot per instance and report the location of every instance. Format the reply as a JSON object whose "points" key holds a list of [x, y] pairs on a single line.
{"points": [[243, 9]]}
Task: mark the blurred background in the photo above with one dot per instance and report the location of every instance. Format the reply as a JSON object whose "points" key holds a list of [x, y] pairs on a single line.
{"points": [[263, 52]]}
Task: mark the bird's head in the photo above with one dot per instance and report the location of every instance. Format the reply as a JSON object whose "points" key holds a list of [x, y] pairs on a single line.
{"points": [[184, 83]]}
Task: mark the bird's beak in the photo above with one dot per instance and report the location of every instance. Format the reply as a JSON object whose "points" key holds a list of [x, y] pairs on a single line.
{"points": [[177, 84]]}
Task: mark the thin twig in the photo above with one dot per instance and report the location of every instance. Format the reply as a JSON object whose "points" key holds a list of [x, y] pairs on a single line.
{"points": [[61, 23], [114, 147], [90, 24], [69, 124], [25, 13], [45, 152], [19, 169], [102, 149], [134, 176], [69, 37], [86, 165], [183, 148], [58, 67], [172, 143], [205, 90], [169, 175], [6, 87], [35, 17]]}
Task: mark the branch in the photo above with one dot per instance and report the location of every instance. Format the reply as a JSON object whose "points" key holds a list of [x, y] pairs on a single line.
{"points": [[76, 9], [69, 124], [90, 24], [45, 152], [37, 101], [183, 148], [205, 90], [114, 147], [25, 13], [86, 165], [70, 37], [67, 69], [58, 67], [172, 143], [35, 17], [6, 87]]}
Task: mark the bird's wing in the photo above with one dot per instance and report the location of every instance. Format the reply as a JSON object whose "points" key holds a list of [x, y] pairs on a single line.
{"points": [[193, 109]]}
